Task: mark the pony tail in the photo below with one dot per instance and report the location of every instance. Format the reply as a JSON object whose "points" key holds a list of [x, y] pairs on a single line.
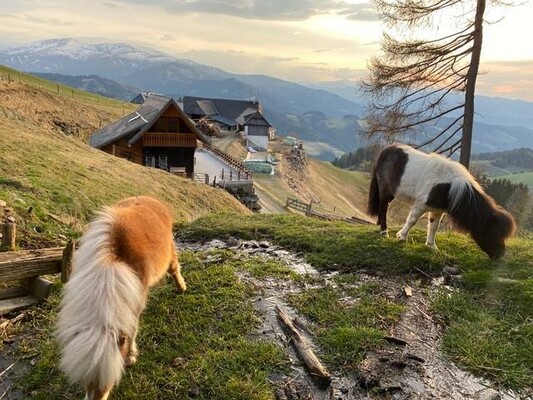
{"points": [[102, 300], [373, 196]]}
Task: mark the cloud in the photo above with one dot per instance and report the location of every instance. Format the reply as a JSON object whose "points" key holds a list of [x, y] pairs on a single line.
{"points": [[279, 10], [167, 36], [510, 79], [280, 59], [44, 20], [360, 12]]}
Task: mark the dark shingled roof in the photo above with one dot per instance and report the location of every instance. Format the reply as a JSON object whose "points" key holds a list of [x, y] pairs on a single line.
{"points": [[256, 119], [227, 108], [134, 125]]}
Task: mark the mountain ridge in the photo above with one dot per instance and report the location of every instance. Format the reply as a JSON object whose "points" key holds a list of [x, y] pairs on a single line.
{"points": [[288, 105]]}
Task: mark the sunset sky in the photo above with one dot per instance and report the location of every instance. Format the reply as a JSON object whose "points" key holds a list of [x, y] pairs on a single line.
{"points": [[298, 40]]}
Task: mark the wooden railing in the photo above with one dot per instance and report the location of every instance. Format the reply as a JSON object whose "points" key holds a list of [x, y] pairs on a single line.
{"points": [[169, 139], [232, 161], [299, 205]]}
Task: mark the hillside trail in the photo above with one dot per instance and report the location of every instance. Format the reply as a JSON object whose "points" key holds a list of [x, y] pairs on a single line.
{"points": [[410, 366]]}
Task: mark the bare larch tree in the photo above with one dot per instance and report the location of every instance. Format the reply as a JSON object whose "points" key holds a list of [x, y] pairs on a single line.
{"points": [[410, 84]]}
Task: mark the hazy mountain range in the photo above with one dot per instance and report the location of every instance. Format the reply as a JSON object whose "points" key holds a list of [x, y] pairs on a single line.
{"points": [[322, 112]]}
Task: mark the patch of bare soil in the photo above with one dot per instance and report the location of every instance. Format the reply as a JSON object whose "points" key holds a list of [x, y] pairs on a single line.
{"points": [[411, 366], [293, 170]]}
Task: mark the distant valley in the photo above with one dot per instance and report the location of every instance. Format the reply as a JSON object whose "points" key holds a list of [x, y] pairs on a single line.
{"points": [[327, 112]]}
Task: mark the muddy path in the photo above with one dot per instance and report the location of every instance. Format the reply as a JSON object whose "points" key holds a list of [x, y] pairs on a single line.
{"points": [[410, 366]]}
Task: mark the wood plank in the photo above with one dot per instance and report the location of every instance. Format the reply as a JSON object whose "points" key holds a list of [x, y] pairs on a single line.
{"points": [[30, 263], [19, 303], [29, 254], [9, 293]]}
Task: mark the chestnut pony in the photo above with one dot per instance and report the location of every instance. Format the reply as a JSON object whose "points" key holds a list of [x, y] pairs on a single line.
{"points": [[437, 185], [127, 249]]}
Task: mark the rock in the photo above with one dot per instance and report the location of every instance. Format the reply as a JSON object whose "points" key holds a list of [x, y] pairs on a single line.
{"points": [[453, 280], [264, 244], [217, 244], [487, 394], [3, 203], [233, 241], [451, 270], [213, 259]]}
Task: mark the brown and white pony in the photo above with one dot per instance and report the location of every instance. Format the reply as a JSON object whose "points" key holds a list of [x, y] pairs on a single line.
{"points": [[127, 249], [437, 185]]}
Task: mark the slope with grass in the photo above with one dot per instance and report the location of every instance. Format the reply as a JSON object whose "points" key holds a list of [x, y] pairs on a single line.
{"points": [[523, 177], [331, 189], [54, 181]]}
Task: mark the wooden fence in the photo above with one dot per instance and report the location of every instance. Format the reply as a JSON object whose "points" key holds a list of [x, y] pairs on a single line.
{"points": [[306, 208], [26, 267], [299, 205]]}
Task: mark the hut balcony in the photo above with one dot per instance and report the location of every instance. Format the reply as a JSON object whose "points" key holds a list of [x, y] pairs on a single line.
{"points": [[159, 139]]}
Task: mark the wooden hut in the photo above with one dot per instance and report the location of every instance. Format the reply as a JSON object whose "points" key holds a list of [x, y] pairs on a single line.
{"points": [[159, 134]]}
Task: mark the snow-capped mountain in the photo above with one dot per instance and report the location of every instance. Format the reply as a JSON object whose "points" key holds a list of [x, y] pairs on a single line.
{"points": [[76, 57]]}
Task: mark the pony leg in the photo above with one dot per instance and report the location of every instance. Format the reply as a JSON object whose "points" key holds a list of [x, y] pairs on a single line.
{"points": [[414, 215], [382, 217], [132, 352], [92, 392], [175, 270], [434, 219]]}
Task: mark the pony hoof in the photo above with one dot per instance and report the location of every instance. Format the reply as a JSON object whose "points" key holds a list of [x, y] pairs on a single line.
{"points": [[130, 360], [384, 233], [432, 246]]}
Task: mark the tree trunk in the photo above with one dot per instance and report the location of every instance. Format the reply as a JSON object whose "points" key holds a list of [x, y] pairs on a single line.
{"points": [[468, 123]]}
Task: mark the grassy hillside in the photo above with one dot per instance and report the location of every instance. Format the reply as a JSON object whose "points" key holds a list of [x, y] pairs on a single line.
{"points": [[54, 181], [524, 177], [65, 94]]}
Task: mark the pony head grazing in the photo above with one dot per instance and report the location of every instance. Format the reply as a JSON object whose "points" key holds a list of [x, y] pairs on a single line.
{"points": [[493, 232], [488, 223]]}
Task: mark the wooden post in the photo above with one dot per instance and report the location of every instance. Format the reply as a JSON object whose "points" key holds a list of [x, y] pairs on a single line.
{"points": [[308, 209], [9, 234], [66, 261], [207, 179]]}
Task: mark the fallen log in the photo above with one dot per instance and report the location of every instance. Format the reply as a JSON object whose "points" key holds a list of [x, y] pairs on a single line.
{"points": [[307, 355]]}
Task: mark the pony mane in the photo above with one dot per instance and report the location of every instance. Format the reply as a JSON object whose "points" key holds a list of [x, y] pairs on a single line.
{"points": [[473, 211]]}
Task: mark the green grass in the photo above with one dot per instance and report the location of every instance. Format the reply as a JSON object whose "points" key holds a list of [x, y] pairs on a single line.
{"points": [[199, 342], [523, 177], [496, 296], [346, 330], [341, 246]]}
